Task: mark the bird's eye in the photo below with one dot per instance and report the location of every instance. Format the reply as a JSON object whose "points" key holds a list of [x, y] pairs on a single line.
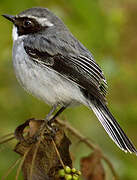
{"points": [[27, 24]]}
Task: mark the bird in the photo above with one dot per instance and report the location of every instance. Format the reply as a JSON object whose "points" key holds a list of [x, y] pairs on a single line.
{"points": [[51, 64]]}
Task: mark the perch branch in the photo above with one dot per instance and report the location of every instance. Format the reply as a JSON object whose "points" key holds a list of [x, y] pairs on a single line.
{"points": [[89, 144], [6, 140], [7, 135]]}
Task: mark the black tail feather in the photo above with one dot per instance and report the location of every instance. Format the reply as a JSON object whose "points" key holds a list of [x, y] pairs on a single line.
{"points": [[111, 126]]}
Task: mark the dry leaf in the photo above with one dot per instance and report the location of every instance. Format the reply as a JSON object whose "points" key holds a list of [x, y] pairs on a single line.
{"points": [[46, 163], [91, 167]]}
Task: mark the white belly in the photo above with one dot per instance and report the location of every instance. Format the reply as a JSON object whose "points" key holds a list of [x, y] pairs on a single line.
{"points": [[43, 82]]}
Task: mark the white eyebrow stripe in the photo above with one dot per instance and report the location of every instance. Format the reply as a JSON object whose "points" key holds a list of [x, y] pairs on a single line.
{"points": [[43, 21]]}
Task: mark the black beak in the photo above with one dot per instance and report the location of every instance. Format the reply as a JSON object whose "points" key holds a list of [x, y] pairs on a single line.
{"points": [[9, 17]]}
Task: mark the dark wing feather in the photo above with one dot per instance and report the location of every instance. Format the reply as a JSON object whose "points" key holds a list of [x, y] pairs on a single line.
{"points": [[81, 70], [93, 71]]}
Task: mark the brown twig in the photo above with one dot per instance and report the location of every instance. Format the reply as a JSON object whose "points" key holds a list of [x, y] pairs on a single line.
{"points": [[110, 166], [3, 140], [10, 169], [34, 157], [21, 163], [89, 144], [6, 140], [58, 154], [5, 136]]}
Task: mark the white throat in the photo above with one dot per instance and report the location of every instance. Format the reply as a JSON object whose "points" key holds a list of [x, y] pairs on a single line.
{"points": [[15, 35]]}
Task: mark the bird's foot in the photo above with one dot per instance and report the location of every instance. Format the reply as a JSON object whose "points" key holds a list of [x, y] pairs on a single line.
{"points": [[38, 129], [47, 129]]}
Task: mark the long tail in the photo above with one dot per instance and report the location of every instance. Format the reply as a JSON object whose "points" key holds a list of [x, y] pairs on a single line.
{"points": [[111, 126]]}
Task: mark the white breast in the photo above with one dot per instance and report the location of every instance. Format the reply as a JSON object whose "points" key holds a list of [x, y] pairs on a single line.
{"points": [[43, 82]]}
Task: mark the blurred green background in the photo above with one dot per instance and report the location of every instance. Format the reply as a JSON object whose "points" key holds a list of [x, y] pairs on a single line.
{"points": [[109, 30]]}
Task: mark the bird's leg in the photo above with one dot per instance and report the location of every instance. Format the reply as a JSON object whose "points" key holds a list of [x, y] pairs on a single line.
{"points": [[47, 128], [47, 125], [51, 112], [50, 121]]}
